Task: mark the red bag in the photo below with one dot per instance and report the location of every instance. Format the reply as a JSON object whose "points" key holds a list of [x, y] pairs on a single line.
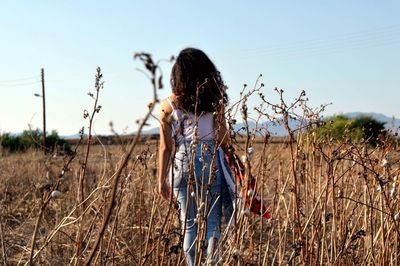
{"points": [[251, 199]]}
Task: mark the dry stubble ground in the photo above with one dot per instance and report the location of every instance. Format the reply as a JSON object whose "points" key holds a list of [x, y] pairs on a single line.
{"points": [[346, 221]]}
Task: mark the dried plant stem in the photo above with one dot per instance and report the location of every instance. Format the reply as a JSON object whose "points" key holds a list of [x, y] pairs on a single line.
{"points": [[140, 220], [3, 250], [150, 229], [62, 224], [114, 229], [116, 176], [46, 202], [82, 174], [38, 219]]}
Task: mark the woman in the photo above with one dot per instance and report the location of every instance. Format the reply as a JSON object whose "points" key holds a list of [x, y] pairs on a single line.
{"points": [[192, 129]]}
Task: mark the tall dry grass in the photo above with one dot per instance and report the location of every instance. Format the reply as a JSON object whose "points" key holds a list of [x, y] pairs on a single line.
{"points": [[332, 203]]}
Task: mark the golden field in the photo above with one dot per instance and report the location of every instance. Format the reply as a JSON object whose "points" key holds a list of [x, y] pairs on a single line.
{"points": [[331, 204]]}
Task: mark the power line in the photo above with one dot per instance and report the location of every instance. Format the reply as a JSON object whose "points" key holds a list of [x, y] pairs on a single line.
{"points": [[377, 33], [19, 79], [19, 84], [331, 49], [366, 39]]}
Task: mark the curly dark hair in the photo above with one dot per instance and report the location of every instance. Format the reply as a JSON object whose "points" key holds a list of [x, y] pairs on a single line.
{"points": [[193, 71]]}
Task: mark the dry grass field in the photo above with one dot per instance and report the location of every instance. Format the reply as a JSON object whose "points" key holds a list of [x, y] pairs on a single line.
{"points": [[337, 206]]}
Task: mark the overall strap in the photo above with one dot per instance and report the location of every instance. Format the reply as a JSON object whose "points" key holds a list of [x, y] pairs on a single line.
{"points": [[171, 104]]}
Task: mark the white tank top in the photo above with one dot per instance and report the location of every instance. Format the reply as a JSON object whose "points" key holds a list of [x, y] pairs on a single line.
{"points": [[183, 125]]}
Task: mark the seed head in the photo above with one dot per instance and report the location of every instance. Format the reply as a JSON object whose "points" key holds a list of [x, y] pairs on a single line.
{"points": [[250, 151], [393, 193], [63, 176], [250, 193], [246, 212], [200, 207], [237, 252], [56, 194], [197, 219], [211, 262]]}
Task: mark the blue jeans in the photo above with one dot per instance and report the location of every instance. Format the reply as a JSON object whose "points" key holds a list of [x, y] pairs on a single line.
{"points": [[198, 193]]}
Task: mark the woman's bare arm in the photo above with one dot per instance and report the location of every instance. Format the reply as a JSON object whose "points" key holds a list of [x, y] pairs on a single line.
{"points": [[165, 149]]}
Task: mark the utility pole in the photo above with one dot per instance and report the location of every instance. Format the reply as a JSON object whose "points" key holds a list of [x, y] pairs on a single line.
{"points": [[44, 112]]}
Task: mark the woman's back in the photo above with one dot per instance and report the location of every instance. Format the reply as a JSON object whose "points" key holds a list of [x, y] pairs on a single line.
{"points": [[184, 126]]}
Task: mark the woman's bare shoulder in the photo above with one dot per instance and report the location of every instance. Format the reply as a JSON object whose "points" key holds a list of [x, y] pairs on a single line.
{"points": [[165, 106]]}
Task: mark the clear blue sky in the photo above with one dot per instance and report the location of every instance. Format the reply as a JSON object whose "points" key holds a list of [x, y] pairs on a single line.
{"points": [[344, 52]]}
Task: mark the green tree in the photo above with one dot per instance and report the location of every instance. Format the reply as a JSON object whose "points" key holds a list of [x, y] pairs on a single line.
{"points": [[9, 142], [356, 129], [32, 139], [53, 141]]}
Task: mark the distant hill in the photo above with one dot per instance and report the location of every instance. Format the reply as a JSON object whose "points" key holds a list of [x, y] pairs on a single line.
{"points": [[274, 129], [151, 131], [390, 122], [74, 136], [279, 130]]}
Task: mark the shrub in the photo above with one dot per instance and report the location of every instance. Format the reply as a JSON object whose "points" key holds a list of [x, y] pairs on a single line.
{"points": [[53, 141], [355, 130], [32, 139], [9, 142]]}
